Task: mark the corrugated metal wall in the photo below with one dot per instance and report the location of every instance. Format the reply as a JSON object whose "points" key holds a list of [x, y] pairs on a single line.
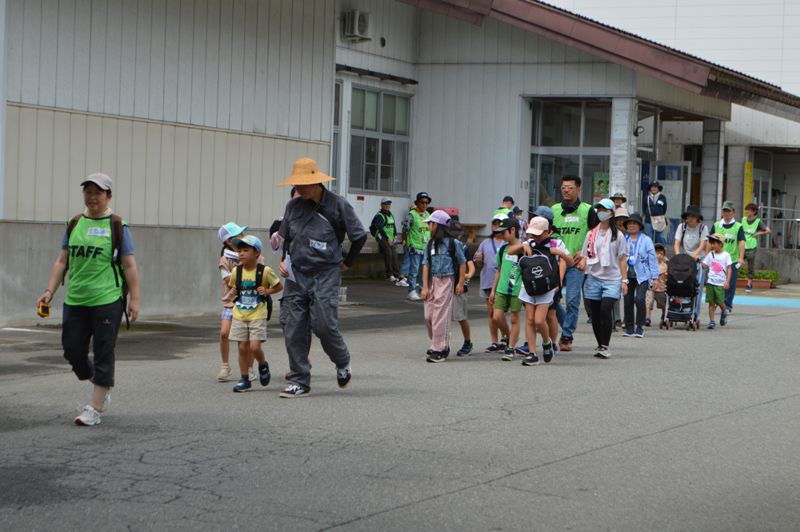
{"points": [[180, 101], [468, 114], [164, 174], [215, 63]]}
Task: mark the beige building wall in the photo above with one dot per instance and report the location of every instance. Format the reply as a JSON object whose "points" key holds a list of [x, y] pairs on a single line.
{"points": [[165, 174]]}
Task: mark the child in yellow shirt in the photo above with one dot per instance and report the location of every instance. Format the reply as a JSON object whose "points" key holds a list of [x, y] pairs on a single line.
{"points": [[253, 283]]}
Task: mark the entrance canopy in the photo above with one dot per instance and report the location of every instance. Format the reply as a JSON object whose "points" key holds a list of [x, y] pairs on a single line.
{"points": [[641, 55]]}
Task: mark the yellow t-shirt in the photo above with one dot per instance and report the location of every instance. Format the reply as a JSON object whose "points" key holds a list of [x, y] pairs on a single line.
{"points": [[250, 306]]}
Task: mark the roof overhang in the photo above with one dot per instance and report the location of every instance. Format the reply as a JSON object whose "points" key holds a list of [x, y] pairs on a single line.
{"points": [[643, 56]]}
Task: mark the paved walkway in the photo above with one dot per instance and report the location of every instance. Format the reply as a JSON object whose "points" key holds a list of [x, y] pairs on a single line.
{"points": [[681, 430]]}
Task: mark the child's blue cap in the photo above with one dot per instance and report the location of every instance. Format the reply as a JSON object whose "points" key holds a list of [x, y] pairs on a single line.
{"points": [[230, 230], [249, 240]]}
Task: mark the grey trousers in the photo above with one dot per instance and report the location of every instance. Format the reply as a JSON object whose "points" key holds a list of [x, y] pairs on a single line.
{"points": [[312, 304]]}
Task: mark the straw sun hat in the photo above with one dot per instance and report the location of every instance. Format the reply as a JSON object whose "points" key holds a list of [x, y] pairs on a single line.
{"points": [[305, 172]]}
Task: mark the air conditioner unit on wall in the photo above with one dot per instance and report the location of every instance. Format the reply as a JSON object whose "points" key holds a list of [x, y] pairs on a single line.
{"points": [[355, 26]]}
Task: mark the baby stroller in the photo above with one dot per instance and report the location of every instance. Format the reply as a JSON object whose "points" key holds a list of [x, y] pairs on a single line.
{"points": [[682, 290]]}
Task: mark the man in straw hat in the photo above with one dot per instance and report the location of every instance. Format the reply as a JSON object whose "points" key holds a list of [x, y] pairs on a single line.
{"points": [[314, 227]]}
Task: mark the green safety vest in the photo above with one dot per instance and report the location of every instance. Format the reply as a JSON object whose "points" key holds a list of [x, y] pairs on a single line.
{"points": [[93, 278], [388, 225], [750, 230], [418, 233], [572, 227], [730, 238]]}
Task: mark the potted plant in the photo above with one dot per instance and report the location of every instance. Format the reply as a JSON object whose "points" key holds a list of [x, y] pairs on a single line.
{"points": [[761, 280]]}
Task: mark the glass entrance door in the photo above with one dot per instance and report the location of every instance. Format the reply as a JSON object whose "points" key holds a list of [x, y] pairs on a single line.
{"points": [[676, 177], [762, 188]]}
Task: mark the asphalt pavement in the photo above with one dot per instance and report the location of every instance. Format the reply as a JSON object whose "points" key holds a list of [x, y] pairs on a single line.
{"points": [[677, 431]]}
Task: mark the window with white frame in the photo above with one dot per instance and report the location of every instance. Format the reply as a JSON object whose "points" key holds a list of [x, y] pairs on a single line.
{"points": [[379, 141]]}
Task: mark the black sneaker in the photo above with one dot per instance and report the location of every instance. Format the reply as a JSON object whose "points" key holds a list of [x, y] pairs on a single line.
{"points": [[429, 352], [628, 332], [465, 349], [343, 376], [292, 391], [263, 374], [493, 348], [723, 319], [504, 344], [530, 360], [547, 353], [435, 357], [446, 352]]}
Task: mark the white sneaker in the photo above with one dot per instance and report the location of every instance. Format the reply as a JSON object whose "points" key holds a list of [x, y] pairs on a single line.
{"points": [[602, 352], [393, 279], [414, 296], [402, 283], [88, 417], [224, 373]]}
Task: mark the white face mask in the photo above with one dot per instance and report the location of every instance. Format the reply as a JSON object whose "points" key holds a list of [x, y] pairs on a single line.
{"points": [[603, 216]]}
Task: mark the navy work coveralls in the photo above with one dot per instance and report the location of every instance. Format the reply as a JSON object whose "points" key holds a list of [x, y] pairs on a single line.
{"points": [[313, 236]]}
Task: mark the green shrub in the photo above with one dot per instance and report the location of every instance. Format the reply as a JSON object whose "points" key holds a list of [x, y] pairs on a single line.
{"points": [[767, 275]]}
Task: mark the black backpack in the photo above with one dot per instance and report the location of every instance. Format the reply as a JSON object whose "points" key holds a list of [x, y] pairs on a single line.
{"points": [[259, 280], [540, 272]]}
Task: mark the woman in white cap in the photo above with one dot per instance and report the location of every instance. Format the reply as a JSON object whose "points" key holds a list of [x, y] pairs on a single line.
{"points": [[314, 226], [97, 250], [604, 257]]}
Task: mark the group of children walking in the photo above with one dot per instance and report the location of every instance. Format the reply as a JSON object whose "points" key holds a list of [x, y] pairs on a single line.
{"points": [[524, 268]]}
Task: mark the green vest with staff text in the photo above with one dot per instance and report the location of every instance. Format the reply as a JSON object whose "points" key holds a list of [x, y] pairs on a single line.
{"points": [[572, 227], [93, 278]]}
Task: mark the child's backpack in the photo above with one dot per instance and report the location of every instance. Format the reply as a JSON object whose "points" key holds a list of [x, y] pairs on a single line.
{"points": [[539, 271], [259, 280]]}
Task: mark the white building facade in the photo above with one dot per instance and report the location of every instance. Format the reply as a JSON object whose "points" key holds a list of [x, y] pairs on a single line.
{"points": [[198, 109]]}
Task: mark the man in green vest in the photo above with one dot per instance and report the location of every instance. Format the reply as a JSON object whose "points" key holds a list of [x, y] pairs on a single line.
{"points": [[733, 239], [97, 251], [753, 227], [573, 219], [415, 238], [384, 230]]}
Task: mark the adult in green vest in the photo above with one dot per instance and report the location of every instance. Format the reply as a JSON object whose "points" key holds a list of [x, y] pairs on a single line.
{"points": [[753, 228], [573, 219], [415, 238], [733, 239], [384, 230], [97, 250]]}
